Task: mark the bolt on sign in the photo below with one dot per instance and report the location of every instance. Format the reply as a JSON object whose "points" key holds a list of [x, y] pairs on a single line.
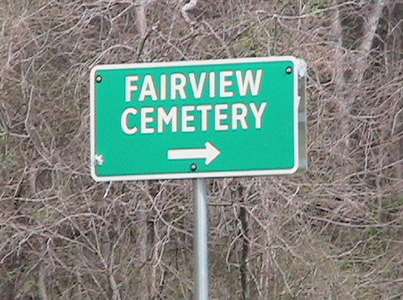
{"points": [[195, 119]]}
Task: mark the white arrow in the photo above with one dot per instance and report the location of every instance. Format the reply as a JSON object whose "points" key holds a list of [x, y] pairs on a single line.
{"points": [[209, 153]]}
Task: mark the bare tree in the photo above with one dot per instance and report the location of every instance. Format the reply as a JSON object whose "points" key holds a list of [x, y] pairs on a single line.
{"points": [[333, 232]]}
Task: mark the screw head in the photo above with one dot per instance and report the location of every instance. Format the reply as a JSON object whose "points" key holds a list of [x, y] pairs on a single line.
{"points": [[98, 79], [288, 70], [99, 159], [193, 167]]}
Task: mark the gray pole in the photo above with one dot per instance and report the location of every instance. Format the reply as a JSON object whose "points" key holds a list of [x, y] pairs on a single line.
{"points": [[201, 290]]}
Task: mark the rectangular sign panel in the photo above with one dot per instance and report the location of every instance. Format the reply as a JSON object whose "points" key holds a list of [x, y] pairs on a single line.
{"points": [[194, 119]]}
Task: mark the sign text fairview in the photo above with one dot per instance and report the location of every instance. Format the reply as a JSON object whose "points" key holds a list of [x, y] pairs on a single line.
{"points": [[151, 118]]}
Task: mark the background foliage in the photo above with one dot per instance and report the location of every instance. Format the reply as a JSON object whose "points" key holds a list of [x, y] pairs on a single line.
{"points": [[334, 232]]}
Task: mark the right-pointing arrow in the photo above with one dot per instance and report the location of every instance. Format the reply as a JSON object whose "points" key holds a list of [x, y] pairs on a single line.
{"points": [[209, 153]]}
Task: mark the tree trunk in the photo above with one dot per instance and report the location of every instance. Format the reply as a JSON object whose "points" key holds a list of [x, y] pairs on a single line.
{"points": [[345, 87]]}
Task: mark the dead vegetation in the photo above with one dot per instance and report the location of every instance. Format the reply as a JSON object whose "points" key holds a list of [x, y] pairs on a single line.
{"points": [[333, 233]]}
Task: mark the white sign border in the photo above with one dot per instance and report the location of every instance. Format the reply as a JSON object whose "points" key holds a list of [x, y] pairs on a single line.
{"points": [[299, 68]]}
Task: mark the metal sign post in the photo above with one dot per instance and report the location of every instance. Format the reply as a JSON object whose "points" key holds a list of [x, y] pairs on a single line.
{"points": [[198, 119], [201, 276]]}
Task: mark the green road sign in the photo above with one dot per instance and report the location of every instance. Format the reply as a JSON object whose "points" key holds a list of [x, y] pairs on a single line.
{"points": [[193, 119]]}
